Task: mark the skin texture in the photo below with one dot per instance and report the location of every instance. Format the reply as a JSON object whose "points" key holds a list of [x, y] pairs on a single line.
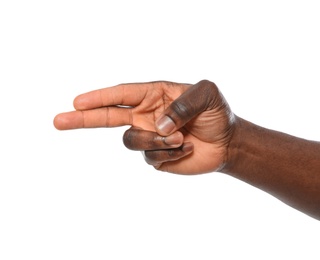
{"points": [[207, 127], [190, 129], [285, 166]]}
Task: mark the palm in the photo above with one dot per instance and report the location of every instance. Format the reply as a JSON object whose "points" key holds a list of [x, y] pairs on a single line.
{"points": [[204, 131], [140, 105]]}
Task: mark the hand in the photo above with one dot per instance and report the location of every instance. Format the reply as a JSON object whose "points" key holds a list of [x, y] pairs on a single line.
{"points": [[182, 128]]}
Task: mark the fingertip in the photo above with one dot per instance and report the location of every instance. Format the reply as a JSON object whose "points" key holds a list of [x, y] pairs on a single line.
{"points": [[88, 100], [58, 122], [79, 103], [68, 120]]}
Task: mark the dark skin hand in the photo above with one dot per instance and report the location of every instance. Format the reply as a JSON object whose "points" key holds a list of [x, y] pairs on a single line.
{"points": [[190, 129]]}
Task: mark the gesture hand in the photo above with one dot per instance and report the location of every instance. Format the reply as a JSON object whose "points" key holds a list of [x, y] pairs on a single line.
{"points": [[181, 128]]}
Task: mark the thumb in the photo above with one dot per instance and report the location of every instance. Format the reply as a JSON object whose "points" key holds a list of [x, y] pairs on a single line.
{"points": [[195, 100]]}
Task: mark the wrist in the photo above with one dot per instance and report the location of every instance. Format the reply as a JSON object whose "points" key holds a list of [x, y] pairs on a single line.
{"points": [[241, 146]]}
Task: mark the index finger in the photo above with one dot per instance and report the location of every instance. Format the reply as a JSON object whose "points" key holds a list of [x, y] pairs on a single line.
{"points": [[124, 94]]}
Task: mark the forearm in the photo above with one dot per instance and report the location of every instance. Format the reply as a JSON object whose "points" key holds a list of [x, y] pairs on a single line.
{"points": [[285, 166]]}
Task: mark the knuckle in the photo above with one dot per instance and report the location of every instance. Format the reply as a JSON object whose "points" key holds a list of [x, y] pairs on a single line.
{"points": [[182, 109], [150, 157], [156, 141], [135, 139], [171, 153], [128, 138], [151, 141], [209, 93], [199, 98], [208, 88]]}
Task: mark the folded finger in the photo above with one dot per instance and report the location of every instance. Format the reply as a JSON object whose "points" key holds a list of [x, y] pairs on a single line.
{"points": [[139, 140], [158, 157]]}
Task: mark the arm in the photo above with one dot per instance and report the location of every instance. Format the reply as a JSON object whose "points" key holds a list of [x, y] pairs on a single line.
{"points": [[190, 129], [285, 166]]}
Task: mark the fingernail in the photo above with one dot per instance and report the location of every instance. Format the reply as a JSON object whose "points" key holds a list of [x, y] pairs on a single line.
{"points": [[165, 125], [174, 139], [187, 147]]}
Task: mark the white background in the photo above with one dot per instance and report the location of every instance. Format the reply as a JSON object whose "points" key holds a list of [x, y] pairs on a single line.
{"points": [[81, 194]]}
